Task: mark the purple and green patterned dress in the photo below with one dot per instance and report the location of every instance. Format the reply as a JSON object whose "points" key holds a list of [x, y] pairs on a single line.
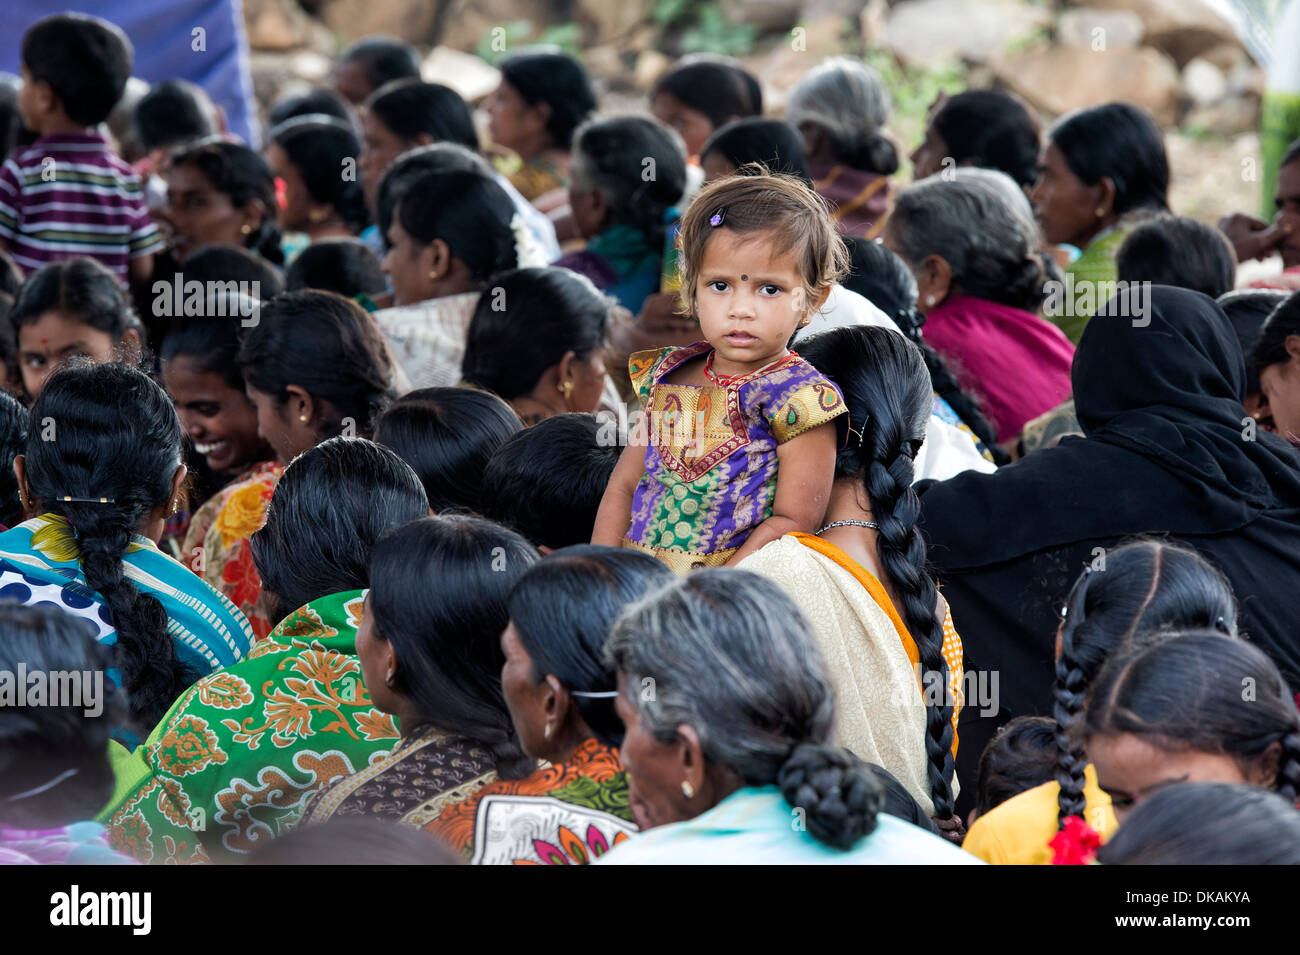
{"points": [[710, 463]]}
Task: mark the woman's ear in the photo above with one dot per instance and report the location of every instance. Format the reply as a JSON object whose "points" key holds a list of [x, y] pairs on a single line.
{"points": [[1263, 768], [251, 214], [541, 111], [1293, 346], [692, 756], [1105, 196], [934, 282], [439, 259], [299, 405], [423, 139], [178, 480]]}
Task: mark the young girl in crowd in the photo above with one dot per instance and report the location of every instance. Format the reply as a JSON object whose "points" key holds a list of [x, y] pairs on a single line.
{"points": [[741, 447], [68, 309], [1147, 587], [622, 214]]}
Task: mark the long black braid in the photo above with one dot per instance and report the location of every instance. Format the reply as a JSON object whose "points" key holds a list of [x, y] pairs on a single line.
{"points": [[108, 431], [887, 389]]}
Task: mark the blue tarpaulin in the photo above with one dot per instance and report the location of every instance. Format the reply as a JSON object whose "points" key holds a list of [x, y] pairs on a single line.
{"points": [[166, 45]]}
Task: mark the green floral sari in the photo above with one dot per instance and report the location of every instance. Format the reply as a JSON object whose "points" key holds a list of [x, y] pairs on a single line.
{"points": [[230, 766]]}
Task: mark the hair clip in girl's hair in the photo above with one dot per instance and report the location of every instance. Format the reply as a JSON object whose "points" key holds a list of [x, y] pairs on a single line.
{"points": [[715, 220], [86, 500]]}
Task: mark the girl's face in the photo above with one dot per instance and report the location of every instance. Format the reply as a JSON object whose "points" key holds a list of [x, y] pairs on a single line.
{"points": [[693, 126], [200, 215], [379, 148], [750, 299], [511, 121], [409, 265], [654, 769], [295, 215], [219, 419], [54, 337], [1130, 769], [1066, 208], [1279, 390], [287, 436]]}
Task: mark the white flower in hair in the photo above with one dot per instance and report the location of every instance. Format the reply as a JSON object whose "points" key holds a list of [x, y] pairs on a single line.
{"points": [[528, 251]]}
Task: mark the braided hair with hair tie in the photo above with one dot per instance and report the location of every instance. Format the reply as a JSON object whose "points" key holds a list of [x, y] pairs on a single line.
{"points": [[1070, 694]]}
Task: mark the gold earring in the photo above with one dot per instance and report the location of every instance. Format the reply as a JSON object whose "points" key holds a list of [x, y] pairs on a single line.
{"points": [[434, 275], [176, 507], [688, 790], [245, 228], [1101, 213], [317, 216], [302, 418], [547, 731], [388, 680], [565, 388]]}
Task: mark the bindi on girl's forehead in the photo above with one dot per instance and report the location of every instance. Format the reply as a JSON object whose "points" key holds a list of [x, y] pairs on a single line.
{"points": [[744, 278]]}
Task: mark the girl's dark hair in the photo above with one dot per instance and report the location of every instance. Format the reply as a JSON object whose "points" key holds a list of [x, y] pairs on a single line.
{"points": [[320, 147], [563, 608], [717, 86], [990, 129], [884, 279], [1248, 309], [1021, 756], [1178, 251], [315, 102], [887, 390], [229, 263], [1121, 142], [13, 442], [547, 481], [118, 438], [347, 267], [329, 508], [1270, 347], [410, 108], [1207, 824], [772, 143], [212, 344], [1146, 587], [243, 175], [469, 212], [611, 154], [79, 287], [547, 312], [439, 592], [1186, 694], [553, 77], [412, 165], [38, 743], [447, 435], [326, 345]]}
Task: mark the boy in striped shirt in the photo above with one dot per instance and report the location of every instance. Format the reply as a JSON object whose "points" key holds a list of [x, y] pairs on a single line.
{"points": [[67, 194]]}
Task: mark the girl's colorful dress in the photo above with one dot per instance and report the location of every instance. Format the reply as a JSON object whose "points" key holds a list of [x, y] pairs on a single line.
{"points": [[710, 464]]}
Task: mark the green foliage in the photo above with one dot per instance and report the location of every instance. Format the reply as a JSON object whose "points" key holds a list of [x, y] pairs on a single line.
{"points": [[701, 26]]}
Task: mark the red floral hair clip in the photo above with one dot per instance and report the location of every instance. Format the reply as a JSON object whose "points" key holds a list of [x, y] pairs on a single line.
{"points": [[1075, 844]]}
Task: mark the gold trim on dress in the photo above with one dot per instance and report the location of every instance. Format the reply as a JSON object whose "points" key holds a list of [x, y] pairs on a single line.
{"points": [[680, 562]]}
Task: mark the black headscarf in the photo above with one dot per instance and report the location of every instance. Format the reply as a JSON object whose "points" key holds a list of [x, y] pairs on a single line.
{"points": [[1159, 397]]}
